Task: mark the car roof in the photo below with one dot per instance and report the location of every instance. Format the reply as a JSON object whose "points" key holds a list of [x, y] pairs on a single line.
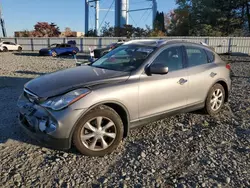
{"points": [[160, 42]]}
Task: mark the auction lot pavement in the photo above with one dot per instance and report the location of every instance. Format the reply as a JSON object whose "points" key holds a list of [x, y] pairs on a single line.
{"points": [[186, 150]]}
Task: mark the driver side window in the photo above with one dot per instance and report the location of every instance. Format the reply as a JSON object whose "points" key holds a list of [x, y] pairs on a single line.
{"points": [[171, 57]]}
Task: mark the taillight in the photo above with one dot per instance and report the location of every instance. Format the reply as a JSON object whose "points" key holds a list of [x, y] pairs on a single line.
{"points": [[228, 66]]}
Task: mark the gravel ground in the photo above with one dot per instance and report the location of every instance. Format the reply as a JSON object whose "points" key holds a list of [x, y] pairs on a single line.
{"points": [[187, 150]]}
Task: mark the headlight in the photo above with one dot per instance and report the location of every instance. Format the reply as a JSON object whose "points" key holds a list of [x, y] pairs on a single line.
{"points": [[60, 102]]}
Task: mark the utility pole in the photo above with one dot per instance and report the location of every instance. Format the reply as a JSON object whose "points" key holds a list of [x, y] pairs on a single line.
{"points": [[86, 16], [2, 23], [97, 17], [97, 10]]}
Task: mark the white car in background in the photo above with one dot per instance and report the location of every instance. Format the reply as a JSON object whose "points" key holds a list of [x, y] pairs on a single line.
{"points": [[9, 46]]}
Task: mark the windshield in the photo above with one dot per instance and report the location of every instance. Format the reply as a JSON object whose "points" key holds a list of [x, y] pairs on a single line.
{"points": [[124, 58], [54, 45]]}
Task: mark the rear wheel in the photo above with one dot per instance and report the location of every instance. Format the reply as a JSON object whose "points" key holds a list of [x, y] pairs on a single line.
{"points": [[99, 132], [215, 99], [19, 49], [5, 49], [54, 54]]}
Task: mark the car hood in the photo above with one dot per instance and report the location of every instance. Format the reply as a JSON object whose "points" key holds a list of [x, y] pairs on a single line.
{"points": [[62, 81]]}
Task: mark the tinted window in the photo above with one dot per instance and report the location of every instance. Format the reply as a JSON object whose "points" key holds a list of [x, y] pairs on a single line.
{"points": [[196, 56], [6, 43], [124, 58], [171, 57], [210, 56], [11, 43], [62, 46]]}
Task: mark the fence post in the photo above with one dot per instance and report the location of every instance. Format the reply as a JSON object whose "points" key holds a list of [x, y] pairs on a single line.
{"points": [[207, 41], [229, 45], [99, 42], [64, 40], [48, 42], [32, 44], [16, 40], [81, 44]]}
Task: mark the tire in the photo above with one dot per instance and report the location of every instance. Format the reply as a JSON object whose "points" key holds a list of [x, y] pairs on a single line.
{"points": [[19, 49], [109, 117], [217, 90], [5, 49], [54, 54]]}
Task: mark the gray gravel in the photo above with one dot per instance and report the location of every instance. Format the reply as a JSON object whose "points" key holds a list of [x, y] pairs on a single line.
{"points": [[187, 150]]}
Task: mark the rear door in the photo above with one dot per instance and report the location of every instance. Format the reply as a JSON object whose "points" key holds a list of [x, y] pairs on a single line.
{"points": [[163, 93], [200, 73]]}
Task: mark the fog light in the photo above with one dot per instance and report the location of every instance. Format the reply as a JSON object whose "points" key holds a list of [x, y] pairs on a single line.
{"points": [[42, 125], [51, 127]]}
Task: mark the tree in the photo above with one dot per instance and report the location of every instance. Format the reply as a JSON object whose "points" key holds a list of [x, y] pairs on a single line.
{"points": [[44, 29], [68, 32], [91, 33], [107, 31], [209, 17], [159, 22]]}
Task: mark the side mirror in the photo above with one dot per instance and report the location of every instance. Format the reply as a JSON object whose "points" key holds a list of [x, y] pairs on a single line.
{"points": [[158, 69]]}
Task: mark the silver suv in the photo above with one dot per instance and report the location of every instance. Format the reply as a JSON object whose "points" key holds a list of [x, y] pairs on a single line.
{"points": [[94, 106]]}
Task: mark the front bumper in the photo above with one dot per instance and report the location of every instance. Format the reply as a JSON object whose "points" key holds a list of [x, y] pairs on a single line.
{"points": [[51, 128], [44, 139]]}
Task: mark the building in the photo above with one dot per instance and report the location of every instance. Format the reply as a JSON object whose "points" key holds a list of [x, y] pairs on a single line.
{"points": [[72, 34], [63, 34], [21, 33]]}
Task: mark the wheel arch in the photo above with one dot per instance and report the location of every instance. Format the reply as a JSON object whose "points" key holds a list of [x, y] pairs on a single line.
{"points": [[225, 86], [121, 110]]}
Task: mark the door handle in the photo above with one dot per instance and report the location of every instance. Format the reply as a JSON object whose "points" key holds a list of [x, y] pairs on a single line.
{"points": [[182, 81], [213, 74]]}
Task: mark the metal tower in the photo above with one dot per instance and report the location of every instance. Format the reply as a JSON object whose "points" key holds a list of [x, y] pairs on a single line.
{"points": [[121, 13], [87, 5], [2, 23]]}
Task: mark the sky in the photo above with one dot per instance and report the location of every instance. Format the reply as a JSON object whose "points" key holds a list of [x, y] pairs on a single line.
{"points": [[24, 14]]}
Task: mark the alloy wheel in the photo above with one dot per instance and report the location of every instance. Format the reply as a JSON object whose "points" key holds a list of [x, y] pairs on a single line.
{"points": [[216, 99], [98, 133]]}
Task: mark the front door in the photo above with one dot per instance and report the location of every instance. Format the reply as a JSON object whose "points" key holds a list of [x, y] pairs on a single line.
{"points": [[164, 93]]}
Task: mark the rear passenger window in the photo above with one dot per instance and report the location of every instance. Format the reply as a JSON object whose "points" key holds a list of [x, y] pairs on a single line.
{"points": [[196, 56], [171, 57], [210, 56]]}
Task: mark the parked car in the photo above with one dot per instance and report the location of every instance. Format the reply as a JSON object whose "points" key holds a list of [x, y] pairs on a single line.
{"points": [[9, 46], [59, 49], [99, 52], [94, 106]]}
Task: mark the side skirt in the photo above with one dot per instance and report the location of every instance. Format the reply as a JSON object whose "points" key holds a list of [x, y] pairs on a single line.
{"points": [[147, 120]]}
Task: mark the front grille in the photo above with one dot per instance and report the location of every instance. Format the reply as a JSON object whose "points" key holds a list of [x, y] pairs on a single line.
{"points": [[24, 121]]}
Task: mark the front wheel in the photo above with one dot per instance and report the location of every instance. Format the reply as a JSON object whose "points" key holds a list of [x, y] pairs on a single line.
{"points": [[54, 54], [99, 132], [215, 99]]}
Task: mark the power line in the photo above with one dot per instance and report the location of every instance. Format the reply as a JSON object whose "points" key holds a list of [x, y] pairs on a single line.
{"points": [[132, 19], [142, 16], [107, 13]]}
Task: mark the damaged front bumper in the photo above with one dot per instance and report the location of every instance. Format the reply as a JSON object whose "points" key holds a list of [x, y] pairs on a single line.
{"points": [[50, 128]]}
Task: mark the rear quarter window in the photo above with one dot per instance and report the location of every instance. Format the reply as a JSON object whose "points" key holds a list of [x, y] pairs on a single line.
{"points": [[196, 56], [210, 56]]}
